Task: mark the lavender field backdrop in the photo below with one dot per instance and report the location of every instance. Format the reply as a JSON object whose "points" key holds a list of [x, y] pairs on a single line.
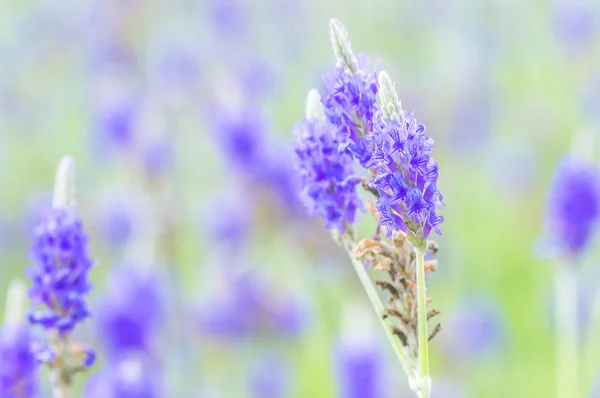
{"points": [[209, 278]]}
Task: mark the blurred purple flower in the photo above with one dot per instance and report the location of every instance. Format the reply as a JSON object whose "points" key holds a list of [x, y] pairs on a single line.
{"points": [[18, 367], [359, 370], [115, 123], [327, 177], [229, 232], [247, 145], [60, 278], [574, 22], [256, 79], [157, 157], [241, 138], [250, 308], [116, 219], [228, 17], [130, 317], [475, 330], [128, 378], [177, 70], [269, 377], [573, 206]]}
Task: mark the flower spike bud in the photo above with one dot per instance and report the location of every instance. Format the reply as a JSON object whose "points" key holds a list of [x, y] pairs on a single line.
{"points": [[341, 46], [314, 106], [15, 299], [388, 99], [64, 184]]}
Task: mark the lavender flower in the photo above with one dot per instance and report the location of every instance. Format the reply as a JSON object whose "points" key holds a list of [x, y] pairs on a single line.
{"points": [[327, 177], [357, 359], [241, 138], [60, 283], [130, 317], [129, 378], [358, 373], [115, 123], [351, 96], [574, 23], [116, 221], [475, 330], [17, 363], [250, 309], [60, 280], [269, 377], [18, 367], [573, 206], [406, 175]]}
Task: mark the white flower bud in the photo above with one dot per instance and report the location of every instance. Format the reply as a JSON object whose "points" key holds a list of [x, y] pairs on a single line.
{"points": [[388, 99], [64, 184], [341, 46], [314, 106]]}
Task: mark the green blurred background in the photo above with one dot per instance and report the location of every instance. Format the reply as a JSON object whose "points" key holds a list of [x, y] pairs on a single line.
{"points": [[504, 88]]}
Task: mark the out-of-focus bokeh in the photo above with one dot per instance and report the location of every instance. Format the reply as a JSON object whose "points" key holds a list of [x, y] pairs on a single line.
{"points": [[180, 115]]}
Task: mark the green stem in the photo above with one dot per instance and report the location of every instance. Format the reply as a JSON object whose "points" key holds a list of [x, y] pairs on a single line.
{"points": [[59, 372], [566, 333], [422, 325], [369, 287], [592, 351], [378, 307]]}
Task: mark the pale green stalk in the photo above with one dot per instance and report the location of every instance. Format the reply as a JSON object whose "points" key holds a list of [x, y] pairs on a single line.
{"points": [[425, 380], [592, 350], [567, 383]]}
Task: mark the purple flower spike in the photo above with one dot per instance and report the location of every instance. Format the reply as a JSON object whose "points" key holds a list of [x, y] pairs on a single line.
{"points": [[350, 104], [327, 176], [573, 206], [130, 317], [129, 378], [17, 363], [357, 358], [406, 176], [60, 278]]}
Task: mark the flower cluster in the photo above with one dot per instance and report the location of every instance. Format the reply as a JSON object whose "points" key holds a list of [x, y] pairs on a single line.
{"points": [[574, 206], [130, 378], [60, 280], [327, 177], [350, 104], [130, 317], [129, 320], [250, 309], [364, 120], [243, 138], [17, 363], [357, 359], [406, 177]]}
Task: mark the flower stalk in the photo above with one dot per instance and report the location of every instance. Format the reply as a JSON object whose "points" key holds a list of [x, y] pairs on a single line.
{"points": [[360, 121], [425, 380], [567, 373], [60, 284]]}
